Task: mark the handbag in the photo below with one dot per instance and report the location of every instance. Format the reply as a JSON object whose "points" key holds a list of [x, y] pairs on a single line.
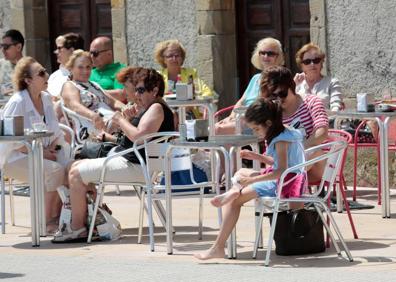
{"points": [[298, 232], [94, 150]]}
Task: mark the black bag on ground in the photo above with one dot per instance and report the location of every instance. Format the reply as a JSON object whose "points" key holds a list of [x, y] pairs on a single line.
{"points": [[94, 150], [298, 232]]}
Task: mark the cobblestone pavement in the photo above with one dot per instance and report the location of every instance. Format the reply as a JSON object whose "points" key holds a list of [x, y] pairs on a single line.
{"points": [[125, 260]]}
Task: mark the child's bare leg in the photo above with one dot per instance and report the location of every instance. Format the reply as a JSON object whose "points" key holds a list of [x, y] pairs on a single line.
{"points": [[230, 218], [234, 192]]}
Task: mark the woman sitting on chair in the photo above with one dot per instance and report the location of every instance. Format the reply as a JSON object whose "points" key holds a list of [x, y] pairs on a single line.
{"points": [[35, 105], [268, 52], [84, 97], [156, 117]]}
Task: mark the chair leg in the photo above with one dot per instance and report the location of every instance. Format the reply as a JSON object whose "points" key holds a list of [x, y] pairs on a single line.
{"points": [[200, 225], [12, 205], [258, 228], [150, 218], [327, 227], [271, 235], [141, 215], [379, 173], [98, 200], [118, 192], [348, 210], [338, 232]]}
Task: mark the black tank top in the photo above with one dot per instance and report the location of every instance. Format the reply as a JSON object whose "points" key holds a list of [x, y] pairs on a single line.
{"points": [[126, 143]]}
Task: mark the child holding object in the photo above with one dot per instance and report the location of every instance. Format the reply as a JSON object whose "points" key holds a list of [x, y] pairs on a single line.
{"points": [[284, 150]]}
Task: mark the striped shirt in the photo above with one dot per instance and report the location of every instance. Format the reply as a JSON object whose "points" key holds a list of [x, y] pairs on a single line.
{"points": [[310, 115]]}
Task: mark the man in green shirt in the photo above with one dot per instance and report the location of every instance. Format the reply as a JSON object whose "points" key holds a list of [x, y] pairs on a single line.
{"points": [[105, 70]]}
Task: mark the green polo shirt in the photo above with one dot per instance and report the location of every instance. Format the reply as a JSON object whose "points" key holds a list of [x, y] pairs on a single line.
{"points": [[106, 77]]}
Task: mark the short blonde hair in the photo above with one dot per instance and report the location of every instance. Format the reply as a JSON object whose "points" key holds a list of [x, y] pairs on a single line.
{"points": [[309, 46], [21, 72], [271, 42], [161, 47], [75, 55]]}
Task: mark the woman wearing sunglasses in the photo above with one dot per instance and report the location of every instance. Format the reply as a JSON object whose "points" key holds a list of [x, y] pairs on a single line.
{"points": [[268, 52], [310, 60], [306, 114], [155, 116], [84, 97], [35, 105]]}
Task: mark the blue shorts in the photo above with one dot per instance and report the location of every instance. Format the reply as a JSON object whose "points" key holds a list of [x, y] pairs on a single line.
{"points": [[265, 188]]}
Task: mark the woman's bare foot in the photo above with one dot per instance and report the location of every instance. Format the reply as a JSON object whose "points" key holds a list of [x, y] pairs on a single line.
{"points": [[221, 200], [211, 254]]}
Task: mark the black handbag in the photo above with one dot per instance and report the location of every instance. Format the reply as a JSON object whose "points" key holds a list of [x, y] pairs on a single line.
{"points": [[94, 150], [298, 232]]}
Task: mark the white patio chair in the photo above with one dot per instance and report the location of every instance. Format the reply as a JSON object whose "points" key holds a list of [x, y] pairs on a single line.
{"points": [[318, 199], [153, 165]]}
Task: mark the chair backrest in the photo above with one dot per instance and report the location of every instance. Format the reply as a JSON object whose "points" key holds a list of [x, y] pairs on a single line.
{"points": [[334, 158], [76, 122], [341, 135], [223, 112]]}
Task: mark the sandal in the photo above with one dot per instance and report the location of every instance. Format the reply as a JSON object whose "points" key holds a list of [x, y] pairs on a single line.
{"points": [[52, 226], [70, 236]]}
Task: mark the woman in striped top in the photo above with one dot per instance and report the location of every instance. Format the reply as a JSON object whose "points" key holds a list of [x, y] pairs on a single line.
{"points": [[306, 114]]}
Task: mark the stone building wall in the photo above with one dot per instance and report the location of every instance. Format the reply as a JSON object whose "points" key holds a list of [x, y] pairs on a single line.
{"points": [[361, 44], [4, 18], [152, 21]]}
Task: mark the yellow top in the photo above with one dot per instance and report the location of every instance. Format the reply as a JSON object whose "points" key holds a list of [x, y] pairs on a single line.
{"points": [[200, 87]]}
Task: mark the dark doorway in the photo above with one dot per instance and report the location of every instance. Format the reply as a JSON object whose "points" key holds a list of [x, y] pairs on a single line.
{"points": [[90, 18], [286, 20]]}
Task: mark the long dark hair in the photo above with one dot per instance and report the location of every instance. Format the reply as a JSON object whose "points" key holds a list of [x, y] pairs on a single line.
{"points": [[261, 111]]}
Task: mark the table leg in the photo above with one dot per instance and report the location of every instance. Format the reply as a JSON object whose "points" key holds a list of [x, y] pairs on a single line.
{"points": [[383, 165], [2, 202], [40, 190], [33, 196], [168, 201], [386, 167]]}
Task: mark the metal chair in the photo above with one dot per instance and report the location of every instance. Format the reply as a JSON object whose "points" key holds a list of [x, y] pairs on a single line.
{"points": [[152, 164], [333, 157]]}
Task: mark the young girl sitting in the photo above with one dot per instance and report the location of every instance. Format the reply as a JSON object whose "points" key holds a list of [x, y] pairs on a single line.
{"points": [[284, 150]]}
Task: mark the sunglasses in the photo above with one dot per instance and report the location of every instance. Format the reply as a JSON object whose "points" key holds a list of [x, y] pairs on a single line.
{"points": [[310, 61], [281, 94], [59, 47], [42, 73], [140, 90], [5, 46], [268, 53], [172, 56], [97, 53]]}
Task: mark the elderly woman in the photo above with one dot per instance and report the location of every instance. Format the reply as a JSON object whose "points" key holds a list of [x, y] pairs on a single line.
{"points": [[65, 45], [170, 54], [85, 97], [310, 59], [155, 117], [268, 52], [35, 105]]}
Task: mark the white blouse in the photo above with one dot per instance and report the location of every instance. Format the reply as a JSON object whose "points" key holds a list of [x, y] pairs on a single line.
{"points": [[20, 104]]}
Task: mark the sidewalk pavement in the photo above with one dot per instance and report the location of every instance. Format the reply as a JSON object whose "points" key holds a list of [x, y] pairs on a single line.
{"points": [[125, 260]]}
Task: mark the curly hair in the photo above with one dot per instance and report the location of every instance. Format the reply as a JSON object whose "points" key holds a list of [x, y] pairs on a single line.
{"points": [[125, 74], [307, 47], [268, 41], [75, 55], [21, 72], [161, 47], [150, 77]]}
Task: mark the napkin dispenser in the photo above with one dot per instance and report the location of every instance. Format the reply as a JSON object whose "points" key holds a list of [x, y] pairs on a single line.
{"points": [[197, 129], [13, 126], [364, 102], [184, 91]]}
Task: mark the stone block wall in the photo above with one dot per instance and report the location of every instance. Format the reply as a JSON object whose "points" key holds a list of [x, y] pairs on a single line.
{"points": [[361, 44], [4, 18], [152, 21]]}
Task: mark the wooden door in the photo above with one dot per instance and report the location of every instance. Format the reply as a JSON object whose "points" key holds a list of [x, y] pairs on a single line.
{"points": [[286, 20], [90, 18]]}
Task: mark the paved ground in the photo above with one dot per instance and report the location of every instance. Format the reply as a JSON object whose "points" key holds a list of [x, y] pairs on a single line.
{"points": [[125, 260]]}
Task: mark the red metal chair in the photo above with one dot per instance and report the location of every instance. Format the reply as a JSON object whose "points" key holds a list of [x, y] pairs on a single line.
{"points": [[376, 145], [223, 111]]}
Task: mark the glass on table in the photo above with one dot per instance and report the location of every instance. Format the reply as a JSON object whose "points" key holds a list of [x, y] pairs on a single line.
{"points": [[38, 124]]}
